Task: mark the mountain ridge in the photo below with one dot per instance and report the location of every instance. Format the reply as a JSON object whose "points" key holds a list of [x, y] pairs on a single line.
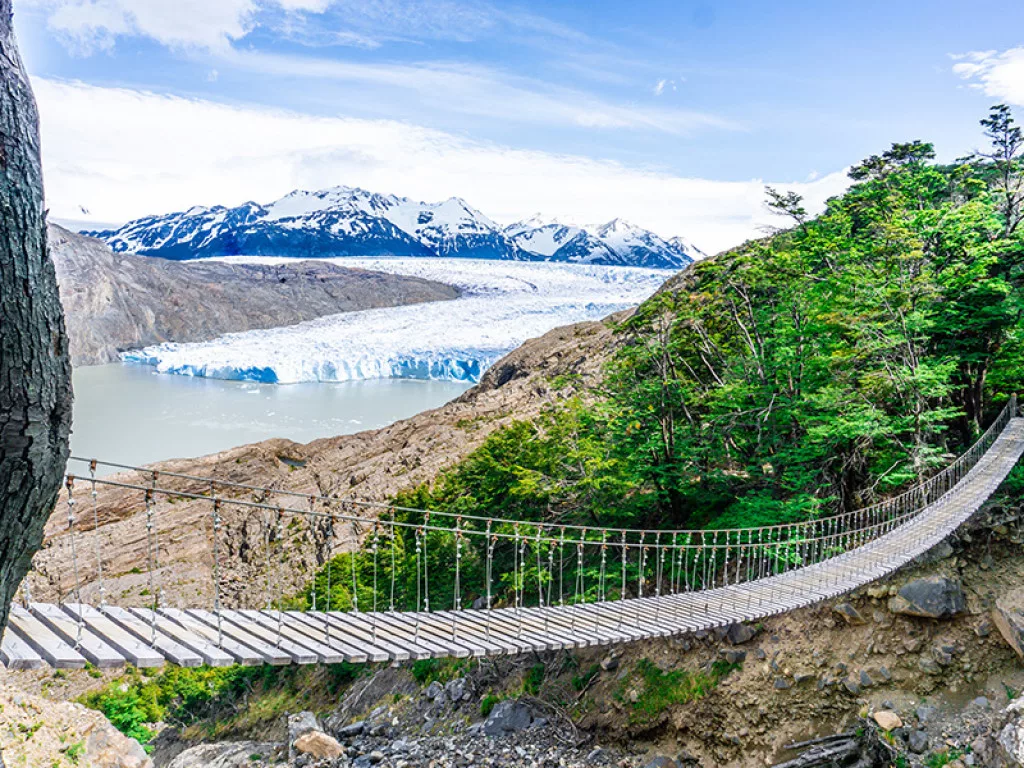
{"points": [[351, 221]]}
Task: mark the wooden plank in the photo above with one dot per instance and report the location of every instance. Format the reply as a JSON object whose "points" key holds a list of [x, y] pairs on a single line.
{"points": [[324, 654], [423, 649], [355, 633], [447, 633], [268, 653], [403, 625], [344, 638], [171, 650], [43, 641], [497, 633], [298, 653], [138, 653], [17, 654], [197, 637], [77, 636]]}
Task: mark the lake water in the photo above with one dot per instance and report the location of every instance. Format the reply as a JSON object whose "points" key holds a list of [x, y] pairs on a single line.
{"points": [[130, 414]]}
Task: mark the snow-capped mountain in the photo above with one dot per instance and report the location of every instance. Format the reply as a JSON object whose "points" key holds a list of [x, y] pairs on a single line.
{"points": [[348, 221]]}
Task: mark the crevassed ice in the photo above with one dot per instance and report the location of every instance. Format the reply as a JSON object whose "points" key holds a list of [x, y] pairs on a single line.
{"points": [[503, 304]]}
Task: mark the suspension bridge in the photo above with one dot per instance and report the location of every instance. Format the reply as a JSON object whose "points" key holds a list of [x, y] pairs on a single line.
{"points": [[416, 584]]}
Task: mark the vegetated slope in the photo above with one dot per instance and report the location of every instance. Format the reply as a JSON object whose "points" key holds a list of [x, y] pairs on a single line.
{"points": [[117, 301], [808, 372], [348, 221]]}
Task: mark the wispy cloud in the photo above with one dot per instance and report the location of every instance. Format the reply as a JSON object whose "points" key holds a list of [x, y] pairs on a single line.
{"points": [[997, 74], [476, 90], [90, 25], [122, 153]]}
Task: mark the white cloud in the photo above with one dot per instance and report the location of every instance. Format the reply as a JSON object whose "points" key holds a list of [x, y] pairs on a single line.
{"points": [[999, 75], [122, 154], [664, 84], [87, 25], [476, 90]]}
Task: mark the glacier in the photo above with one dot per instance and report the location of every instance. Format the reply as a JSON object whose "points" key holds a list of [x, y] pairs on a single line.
{"points": [[503, 303]]}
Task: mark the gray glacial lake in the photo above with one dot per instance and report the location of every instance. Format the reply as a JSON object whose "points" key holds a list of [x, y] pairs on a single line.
{"points": [[129, 414]]}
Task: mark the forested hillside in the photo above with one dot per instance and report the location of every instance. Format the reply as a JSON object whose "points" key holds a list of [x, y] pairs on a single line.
{"points": [[819, 368]]}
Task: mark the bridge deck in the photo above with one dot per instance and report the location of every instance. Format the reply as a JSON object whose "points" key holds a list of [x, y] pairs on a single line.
{"points": [[69, 636]]}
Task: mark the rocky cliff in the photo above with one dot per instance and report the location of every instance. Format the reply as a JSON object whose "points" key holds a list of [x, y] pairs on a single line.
{"points": [[117, 301]]}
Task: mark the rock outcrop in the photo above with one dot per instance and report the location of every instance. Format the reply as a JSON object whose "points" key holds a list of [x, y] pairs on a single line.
{"points": [[1008, 616], [41, 732], [118, 301]]}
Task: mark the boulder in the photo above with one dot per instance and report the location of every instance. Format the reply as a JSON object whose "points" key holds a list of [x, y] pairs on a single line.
{"points": [[887, 720], [917, 742], [227, 754], [508, 716], [1008, 616], [737, 634], [850, 614], [319, 745], [300, 723], [1011, 735], [933, 597]]}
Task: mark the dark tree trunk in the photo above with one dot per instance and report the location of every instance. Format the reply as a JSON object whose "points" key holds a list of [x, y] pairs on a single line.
{"points": [[35, 370]]}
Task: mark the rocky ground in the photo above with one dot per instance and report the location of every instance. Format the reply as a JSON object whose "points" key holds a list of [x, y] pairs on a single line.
{"points": [[119, 301]]}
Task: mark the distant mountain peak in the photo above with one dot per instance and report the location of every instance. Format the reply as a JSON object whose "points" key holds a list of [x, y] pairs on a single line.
{"points": [[351, 221]]}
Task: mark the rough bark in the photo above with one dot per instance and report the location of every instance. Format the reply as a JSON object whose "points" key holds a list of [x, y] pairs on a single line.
{"points": [[35, 370]]}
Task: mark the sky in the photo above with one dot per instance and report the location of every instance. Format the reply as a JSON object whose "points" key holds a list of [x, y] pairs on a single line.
{"points": [[672, 114]]}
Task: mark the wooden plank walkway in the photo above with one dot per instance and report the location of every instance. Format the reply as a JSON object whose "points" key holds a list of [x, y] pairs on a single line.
{"points": [[70, 635]]}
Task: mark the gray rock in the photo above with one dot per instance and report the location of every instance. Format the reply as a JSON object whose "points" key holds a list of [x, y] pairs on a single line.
{"points": [[924, 714], [933, 597], [351, 730], [929, 666], [596, 755], [940, 551], [781, 684], [457, 689], [850, 614], [851, 686], [733, 656], [222, 754], [610, 663], [737, 634], [434, 690], [917, 742], [508, 716], [865, 679], [1008, 616]]}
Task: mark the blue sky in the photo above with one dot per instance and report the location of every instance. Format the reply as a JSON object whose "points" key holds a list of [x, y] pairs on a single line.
{"points": [[672, 114]]}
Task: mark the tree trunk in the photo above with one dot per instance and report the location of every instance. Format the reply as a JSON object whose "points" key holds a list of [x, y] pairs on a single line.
{"points": [[35, 370]]}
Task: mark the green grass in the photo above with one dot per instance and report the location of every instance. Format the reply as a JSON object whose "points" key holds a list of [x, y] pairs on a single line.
{"points": [[533, 679], [427, 671], [658, 691], [487, 704], [945, 757], [582, 680]]}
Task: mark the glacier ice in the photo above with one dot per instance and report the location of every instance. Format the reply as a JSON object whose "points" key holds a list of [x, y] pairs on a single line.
{"points": [[503, 304]]}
